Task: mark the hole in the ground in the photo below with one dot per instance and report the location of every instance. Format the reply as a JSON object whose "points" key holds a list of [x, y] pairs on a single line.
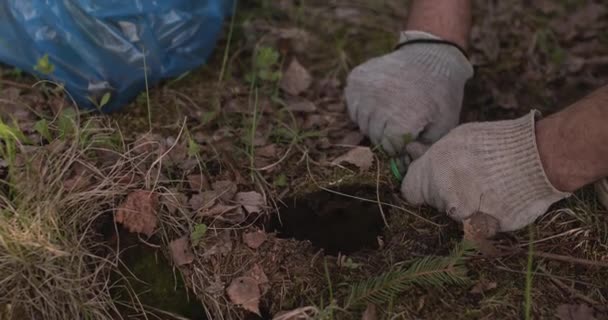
{"points": [[335, 223]]}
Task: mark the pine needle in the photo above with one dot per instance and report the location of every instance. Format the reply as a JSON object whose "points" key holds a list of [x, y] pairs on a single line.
{"points": [[433, 272]]}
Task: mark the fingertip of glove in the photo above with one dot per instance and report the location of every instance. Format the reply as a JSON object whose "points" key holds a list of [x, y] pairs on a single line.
{"points": [[416, 149]]}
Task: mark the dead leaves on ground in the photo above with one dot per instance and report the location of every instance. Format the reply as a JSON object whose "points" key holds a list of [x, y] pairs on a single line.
{"points": [[296, 79], [575, 312], [223, 202], [245, 292], [138, 212], [362, 157], [180, 251], [254, 239]]}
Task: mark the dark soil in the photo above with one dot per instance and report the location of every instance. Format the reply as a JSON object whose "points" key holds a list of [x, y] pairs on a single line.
{"points": [[332, 222]]}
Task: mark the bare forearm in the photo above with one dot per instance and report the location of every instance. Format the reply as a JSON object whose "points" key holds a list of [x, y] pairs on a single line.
{"points": [[573, 144], [447, 19]]}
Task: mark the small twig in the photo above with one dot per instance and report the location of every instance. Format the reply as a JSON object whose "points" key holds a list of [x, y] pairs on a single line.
{"points": [[559, 257], [572, 291], [378, 192], [16, 84]]}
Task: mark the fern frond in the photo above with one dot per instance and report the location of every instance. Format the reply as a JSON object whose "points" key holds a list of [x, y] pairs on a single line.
{"points": [[426, 272]]}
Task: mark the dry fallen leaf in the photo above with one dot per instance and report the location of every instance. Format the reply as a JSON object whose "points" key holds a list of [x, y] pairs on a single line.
{"points": [[203, 200], [362, 157], [296, 79], [257, 273], [574, 312], [245, 292], [225, 189], [483, 285], [301, 105], [198, 182], [268, 151], [180, 251], [352, 138], [252, 201], [254, 239], [370, 312], [138, 212], [174, 201]]}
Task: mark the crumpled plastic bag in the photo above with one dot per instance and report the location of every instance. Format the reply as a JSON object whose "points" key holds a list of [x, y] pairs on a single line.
{"points": [[98, 48]]}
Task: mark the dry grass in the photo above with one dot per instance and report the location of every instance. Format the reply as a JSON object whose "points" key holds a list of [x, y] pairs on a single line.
{"points": [[52, 261]]}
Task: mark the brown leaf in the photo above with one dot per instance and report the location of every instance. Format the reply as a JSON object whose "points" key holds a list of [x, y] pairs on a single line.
{"points": [[478, 229], [138, 212], [225, 189], [574, 312], [180, 251], [370, 312], [254, 239], [252, 201], [245, 292], [198, 182], [148, 143], [80, 179], [301, 105], [203, 200], [268, 151], [174, 201], [482, 286], [296, 79], [352, 138], [257, 273], [362, 157]]}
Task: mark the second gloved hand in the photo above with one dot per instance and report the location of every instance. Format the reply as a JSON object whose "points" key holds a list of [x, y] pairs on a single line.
{"points": [[490, 167], [413, 93]]}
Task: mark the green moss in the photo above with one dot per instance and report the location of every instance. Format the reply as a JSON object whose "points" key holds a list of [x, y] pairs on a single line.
{"points": [[156, 284]]}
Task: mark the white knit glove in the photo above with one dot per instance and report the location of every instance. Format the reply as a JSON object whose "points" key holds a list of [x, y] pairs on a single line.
{"points": [[413, 93], [490, 167]]}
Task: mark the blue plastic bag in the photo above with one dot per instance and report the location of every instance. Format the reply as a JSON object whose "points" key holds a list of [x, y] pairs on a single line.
{"points": [[96, 47]]}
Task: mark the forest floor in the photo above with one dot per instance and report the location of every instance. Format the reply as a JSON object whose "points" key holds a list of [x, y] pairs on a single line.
{"points": [[242, 190]]}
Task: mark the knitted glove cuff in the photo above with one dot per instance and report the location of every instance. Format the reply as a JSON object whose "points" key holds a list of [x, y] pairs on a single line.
{"points": [[510, 154], [441, 56]]}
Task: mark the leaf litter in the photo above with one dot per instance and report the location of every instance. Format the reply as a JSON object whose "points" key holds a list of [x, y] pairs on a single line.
{"points": [[138, 213]]}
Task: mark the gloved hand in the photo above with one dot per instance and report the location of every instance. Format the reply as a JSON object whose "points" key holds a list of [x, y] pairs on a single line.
{"points": [[490, 167], [415, 92]]}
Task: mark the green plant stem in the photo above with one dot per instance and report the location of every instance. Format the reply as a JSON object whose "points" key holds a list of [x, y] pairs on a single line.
{"points": [[147, 92], [229, 41]]}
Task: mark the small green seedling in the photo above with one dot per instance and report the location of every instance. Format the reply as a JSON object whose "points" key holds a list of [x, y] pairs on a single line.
{"points": [[44, 66], [42, 127], [198, 233], [102, 102], [265, 65], [193, 148], [280, 180]]}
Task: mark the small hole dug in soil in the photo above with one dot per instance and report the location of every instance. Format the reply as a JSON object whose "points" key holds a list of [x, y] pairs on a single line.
{"points": [[333, 222]]}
